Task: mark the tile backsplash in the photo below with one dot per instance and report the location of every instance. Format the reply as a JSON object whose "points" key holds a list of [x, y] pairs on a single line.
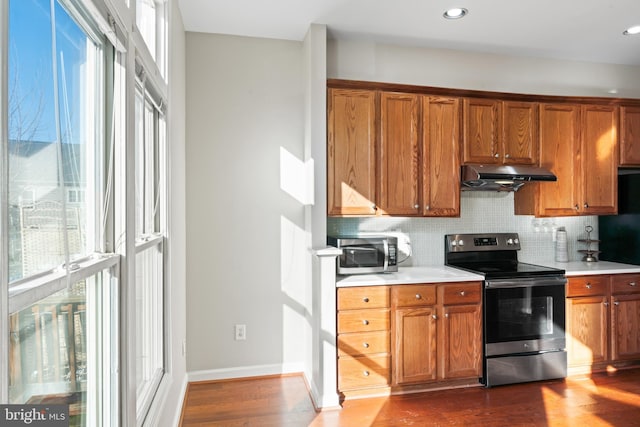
{"points": [[480, 212]]}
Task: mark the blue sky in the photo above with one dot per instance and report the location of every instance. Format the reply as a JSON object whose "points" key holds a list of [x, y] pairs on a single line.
{"points": [[30, 66]]}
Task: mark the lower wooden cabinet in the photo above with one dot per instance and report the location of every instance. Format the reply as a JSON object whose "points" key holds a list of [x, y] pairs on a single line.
{"points": [[408, 336], [603, 321], [436, 337]]}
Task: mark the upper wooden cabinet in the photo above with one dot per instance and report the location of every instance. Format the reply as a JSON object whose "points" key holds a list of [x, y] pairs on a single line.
{"points": [[578, 143], [629, 136], [441, 156], [392, 153], [351, 152], [400, 162], [500, 132]]}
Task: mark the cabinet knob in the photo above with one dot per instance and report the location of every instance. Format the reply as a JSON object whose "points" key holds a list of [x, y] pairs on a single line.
{"points": [[365, 322], [365, 299], [616, 303], [416, 206], [427, 207], [365, 344], [446, 315], [462, 293], [496, 155], [632, 283], [365, 373], [586, 205], [507, 156], [374, 208], [434, 317], [606, 303], [588, 285], [418, 296]]}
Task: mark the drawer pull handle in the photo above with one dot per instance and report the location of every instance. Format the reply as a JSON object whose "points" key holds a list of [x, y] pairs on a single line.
{"points": [[365, 322], [462, 293], [418, 296], [365, 345], [434, 317], [365, 299], [632, 283], [616, 303], [446, 315], [365, 373], [588, 285], [606, 303]]}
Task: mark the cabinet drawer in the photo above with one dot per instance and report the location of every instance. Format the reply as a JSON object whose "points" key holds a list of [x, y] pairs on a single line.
{"points": [[461, 293], [363, 372], [363, 320], [413, 295], [625, 284], [588, 285], [363, 343], [363, 297]]}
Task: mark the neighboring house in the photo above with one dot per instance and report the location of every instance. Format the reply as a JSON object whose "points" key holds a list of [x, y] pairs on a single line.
{"points": [[37, 196]]}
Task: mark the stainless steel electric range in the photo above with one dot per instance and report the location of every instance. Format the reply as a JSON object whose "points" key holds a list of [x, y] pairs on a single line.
{"points": [[523, 308]]}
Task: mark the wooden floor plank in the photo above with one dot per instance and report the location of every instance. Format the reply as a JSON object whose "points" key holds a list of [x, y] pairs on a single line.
{"points": [[600, 400]]}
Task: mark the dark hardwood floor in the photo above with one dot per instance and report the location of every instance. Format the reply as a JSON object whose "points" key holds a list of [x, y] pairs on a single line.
{"points": [[599, 400]]}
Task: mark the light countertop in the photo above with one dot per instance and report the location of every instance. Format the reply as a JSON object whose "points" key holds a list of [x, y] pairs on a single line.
{"points": [[580, 268], [409, 275], [444, 274]]}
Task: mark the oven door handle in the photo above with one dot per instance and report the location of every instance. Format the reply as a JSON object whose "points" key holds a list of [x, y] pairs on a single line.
{"points": [[526, 283]]}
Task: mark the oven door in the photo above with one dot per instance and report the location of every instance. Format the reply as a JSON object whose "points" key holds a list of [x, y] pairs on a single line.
{"points": [[524, 315]]}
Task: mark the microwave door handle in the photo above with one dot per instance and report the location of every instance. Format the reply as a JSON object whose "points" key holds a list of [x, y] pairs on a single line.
{"points": [[358, 248], [385, 244]]}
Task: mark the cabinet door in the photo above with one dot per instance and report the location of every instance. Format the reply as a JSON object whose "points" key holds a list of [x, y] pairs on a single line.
{"points": [[481, 131], [625, 327], [586, 324], [441, 156], [600, 160], [629, 136], [559, 152], [351, 152], [414, 357], [520, 132], [461, 343], [399, 154]]}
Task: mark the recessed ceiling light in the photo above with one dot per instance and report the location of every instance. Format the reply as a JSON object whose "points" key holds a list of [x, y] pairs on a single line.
{"points": [[455, 13], [632, 30]]}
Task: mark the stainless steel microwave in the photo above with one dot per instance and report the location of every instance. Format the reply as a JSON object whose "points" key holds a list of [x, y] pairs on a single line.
{"points": [[366, 254]]}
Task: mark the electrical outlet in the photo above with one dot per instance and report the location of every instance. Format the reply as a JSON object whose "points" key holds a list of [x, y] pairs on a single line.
{"points": [[241, 332]]}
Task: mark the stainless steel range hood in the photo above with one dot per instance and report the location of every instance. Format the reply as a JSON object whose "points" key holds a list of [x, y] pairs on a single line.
{"points": [[502, 178]]}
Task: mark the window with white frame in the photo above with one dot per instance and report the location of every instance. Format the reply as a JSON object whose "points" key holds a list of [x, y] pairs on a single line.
{"points": [[62, 288], [149, 214], [151, 22]]}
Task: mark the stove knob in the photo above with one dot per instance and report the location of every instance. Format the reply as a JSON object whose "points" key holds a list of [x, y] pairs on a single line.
{"points": [[454, 243], [516, 241], [460, 242], [509, 241]]}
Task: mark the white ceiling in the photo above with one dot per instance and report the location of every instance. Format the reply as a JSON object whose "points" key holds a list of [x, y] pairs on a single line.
{"points": [[583, 30]]}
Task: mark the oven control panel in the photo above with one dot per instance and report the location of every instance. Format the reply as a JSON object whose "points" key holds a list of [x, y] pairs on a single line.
{"points": [[481, 242]]}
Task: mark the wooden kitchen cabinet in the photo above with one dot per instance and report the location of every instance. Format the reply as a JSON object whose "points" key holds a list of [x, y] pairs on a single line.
{"points": [[351, 153], [629, 136], [578, 143], [440, 156], [399, 154], [587, 320], [625, 317], [603, 322], [500, 132], [363, 338], [437, 332]]}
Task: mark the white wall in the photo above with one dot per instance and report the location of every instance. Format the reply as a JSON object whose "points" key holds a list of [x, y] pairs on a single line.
{"points": [[167, 406], [361, 60], [246, 239]]}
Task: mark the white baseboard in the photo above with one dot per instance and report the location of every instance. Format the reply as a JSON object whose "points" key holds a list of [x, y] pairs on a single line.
{"points": [[183, 394], [244, 371]]}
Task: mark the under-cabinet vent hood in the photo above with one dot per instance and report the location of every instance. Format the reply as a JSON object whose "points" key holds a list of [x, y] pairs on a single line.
{"points": [[502, 178]]}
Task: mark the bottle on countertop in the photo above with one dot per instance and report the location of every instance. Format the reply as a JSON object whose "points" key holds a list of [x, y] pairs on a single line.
{"points": [[562, 252]]}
